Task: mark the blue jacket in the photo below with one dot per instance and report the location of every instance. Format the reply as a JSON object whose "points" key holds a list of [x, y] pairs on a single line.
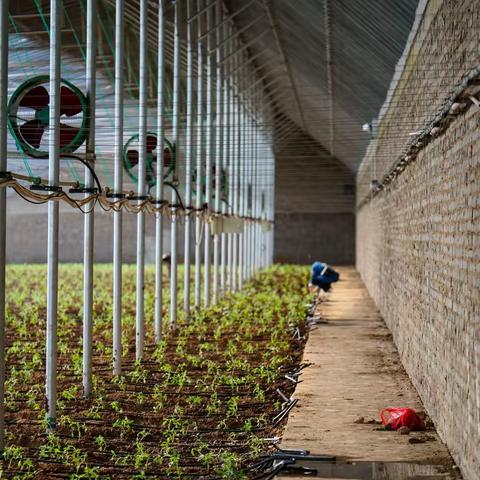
{"points": [[329, 274]]}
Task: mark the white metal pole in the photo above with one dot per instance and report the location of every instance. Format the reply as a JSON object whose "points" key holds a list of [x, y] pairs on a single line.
{"points": [[249, 199], [218, 151], [254, 181], [176, 143], [88, 246], [141, 185], [249, 188], [53, 179], [236, 172], [272, 205], [208, 163], [226, 167], [242, 176], [3, 203], [118, 186], [159, 178], [231, 162], [198, 164], [233, 169], [188, 166]]}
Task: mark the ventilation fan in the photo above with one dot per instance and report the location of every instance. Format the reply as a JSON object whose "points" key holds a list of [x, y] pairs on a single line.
{"points": [[131, 156], [223, 183], [28, 116]]}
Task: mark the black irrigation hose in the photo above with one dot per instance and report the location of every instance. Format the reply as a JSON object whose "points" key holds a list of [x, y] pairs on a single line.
{"points": [[171, 185], [86, 164]]}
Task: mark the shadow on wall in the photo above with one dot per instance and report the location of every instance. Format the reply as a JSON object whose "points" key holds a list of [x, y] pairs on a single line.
{"points": [[306, 237]]}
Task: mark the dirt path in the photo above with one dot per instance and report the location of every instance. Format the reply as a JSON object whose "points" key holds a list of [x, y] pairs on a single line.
{"points": [[356, 372]]}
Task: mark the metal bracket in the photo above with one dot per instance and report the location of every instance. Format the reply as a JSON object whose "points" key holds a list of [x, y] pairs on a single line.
{"points": [[46, 188], [92, 190]]}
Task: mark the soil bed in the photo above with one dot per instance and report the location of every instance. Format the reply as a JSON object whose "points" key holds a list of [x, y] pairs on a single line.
{"points": [[201, 404]]}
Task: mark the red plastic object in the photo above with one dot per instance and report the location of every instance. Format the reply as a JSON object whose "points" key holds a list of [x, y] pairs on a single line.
{"points": [[394, 418]]}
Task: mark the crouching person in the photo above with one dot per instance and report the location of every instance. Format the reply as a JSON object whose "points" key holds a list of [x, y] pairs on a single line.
{"points": [[322, 276]]}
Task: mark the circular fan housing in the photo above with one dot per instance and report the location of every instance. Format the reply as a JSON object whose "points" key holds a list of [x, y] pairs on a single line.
{"points": [[223, 183], [28, 116], [131, 156]]}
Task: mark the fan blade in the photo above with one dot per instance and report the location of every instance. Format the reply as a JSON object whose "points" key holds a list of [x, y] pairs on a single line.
{"points": [[67, 134], [32, 132], [69, 102], [167, 157], [151, 143], [36, 98], [132, 156]]}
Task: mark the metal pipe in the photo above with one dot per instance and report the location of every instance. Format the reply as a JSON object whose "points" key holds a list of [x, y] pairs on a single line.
{"points": [[241, 182], [229, 17], [3, 203], [329, 50], [250, 202], [250, 59], [198, 165], [141, 184], [244, 47], [208, 165], [274, 26], [253, 85], [218, 155], [225, 163], [175, 138], [199, 12], [231, 163], [118, 186], [88, 246], [53, 217], [236, 178], [255, 240], [219, 44], [188, 167], [159, 178]]}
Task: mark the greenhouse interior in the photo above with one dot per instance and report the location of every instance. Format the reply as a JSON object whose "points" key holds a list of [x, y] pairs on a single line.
{"points": [[239, 239]]}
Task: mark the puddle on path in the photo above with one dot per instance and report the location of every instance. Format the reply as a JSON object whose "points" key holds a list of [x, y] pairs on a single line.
{"points": [[374, 471]]}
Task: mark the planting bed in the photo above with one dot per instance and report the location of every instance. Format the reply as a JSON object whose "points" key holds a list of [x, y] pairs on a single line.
{"points": [[202, 403]]}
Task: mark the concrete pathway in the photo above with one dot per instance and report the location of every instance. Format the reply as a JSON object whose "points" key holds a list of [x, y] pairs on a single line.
{"points": [[355, 372]]}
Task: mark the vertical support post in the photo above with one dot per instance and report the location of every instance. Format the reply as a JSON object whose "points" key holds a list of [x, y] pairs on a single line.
{"points": [[208, 163], [226, 166], [118, 186], [53, 214], [141, 185], [236, 170], [271, 215], [176, 144], [88, 247], [159, 179], [3, 203], [254, 240], [218, 150], [247, 207], [241, 171], [231, 161], [198, 163], [188, 166]]}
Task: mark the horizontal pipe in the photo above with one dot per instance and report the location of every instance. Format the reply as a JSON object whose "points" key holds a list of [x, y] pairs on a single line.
{"points": [[244, 47], [235, 35]]}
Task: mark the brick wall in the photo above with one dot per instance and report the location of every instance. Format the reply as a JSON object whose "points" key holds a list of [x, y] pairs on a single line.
{"points": [[418, 243], [418, 250]]}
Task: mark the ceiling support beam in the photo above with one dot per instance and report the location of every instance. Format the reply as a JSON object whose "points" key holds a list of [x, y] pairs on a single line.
{"points": [[330, 74], [274, 26]]}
